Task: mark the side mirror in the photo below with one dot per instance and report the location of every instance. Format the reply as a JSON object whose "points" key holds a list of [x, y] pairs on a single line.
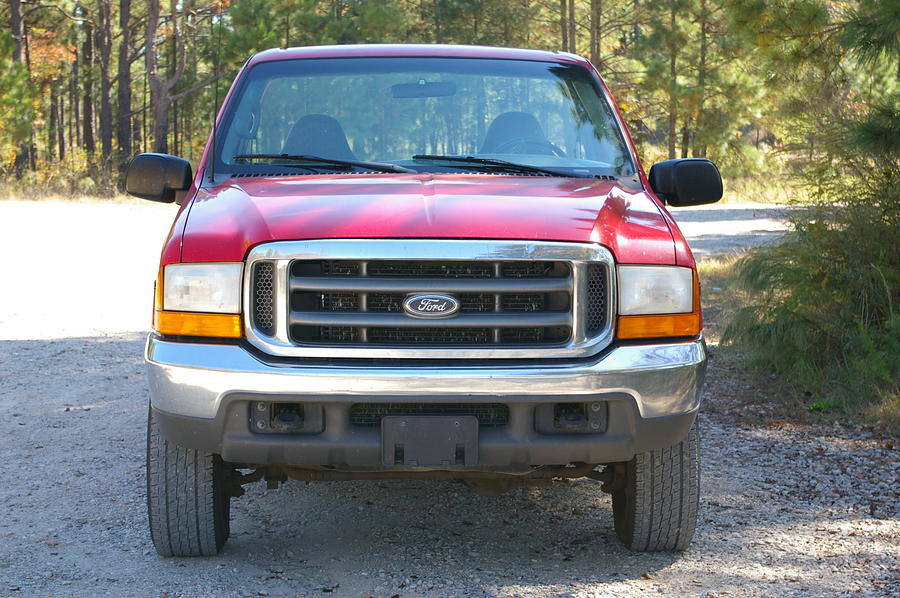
{"points": [[158, 177], [686, 182]]}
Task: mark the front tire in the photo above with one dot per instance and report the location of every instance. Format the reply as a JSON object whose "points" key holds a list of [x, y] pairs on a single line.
{"points": [[655, 505], [187, 500]]}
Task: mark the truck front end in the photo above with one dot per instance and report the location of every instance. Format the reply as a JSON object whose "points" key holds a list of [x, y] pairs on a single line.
{"points": [[423, 262]]}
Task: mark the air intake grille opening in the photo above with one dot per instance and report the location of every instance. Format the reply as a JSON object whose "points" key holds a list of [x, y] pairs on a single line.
{"points": [[596, 307], [264, 297], [369, 415], [431, 336]]}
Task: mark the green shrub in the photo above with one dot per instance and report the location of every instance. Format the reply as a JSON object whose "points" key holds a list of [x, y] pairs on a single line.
{"points": [[823, 308]]}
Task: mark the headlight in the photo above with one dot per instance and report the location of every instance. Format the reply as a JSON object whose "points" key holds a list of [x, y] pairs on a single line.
{"points": [[655, 290], [202, 300], [214, 288], [658, 302]]}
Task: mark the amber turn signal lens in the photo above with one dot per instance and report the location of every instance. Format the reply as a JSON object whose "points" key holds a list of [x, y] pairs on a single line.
{"points": [[183, 323], [659, 326]]}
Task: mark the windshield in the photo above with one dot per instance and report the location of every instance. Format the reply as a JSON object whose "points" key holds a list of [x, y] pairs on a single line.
{"points": [[413, 111]]}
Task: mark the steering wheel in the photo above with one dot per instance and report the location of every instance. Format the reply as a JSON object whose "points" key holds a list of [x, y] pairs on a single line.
{"points": [[529, 145]]}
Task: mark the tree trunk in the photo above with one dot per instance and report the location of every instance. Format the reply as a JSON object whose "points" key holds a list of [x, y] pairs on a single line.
{"points": [[673, 73], [160, 127], [161, 90], [572, 26], [53, 125], [60, 119], [438, 34], [176, 141], [103, 42], [87, 76], [596, 30], [564, 25], [123, 124], [17, 26], [158, 104], [699, 151], [75, 117]]}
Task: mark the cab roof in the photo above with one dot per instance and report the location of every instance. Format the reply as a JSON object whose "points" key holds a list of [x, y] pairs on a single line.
{"points": [[420, 50]]}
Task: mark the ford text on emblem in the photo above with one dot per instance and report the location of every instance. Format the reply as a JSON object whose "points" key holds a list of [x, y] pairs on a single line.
{"points": [[431, 306]]}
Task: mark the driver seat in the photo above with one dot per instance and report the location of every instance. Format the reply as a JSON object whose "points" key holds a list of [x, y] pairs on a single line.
{"points": [[509, 126], [318, 135]]}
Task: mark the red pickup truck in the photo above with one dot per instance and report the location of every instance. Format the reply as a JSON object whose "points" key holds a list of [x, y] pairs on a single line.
{"points": [[423, 261]]}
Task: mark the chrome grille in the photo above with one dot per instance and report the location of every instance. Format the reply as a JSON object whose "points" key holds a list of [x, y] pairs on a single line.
{"points": [[517, 299], [367, 296]]}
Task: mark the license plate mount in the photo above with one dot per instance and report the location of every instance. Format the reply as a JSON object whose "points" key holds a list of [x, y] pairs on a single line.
{"points": [[429, 441]]}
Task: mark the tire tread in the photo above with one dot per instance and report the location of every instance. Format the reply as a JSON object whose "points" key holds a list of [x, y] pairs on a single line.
{"points": [[187, 508], [657, 508]]}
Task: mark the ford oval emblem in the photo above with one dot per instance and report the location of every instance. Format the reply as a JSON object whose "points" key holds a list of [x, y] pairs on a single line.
{"points": [[431, 306]]}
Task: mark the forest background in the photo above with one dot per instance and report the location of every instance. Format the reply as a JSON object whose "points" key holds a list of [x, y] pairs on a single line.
{"points": [[795, 100]]}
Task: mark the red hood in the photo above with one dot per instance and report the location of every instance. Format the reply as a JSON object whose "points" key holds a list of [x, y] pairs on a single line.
{"points": [[225, 221]]}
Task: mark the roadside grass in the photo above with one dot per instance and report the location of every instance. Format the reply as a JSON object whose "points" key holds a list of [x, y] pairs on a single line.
{"points": [[18, 192], [756, 189], [718, 293], [857, 390], [111, 199]]}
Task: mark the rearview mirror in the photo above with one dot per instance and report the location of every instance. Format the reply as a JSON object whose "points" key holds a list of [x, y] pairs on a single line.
{"points": [[423, 89], [686, 182], [158, 177]]}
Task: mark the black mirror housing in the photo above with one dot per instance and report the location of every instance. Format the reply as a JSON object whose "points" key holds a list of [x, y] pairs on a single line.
{"points": [[686, 182], [158, 177]]}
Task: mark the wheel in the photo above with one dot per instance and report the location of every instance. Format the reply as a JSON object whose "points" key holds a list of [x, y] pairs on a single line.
{"points": [[655, 504], [187, 499]]}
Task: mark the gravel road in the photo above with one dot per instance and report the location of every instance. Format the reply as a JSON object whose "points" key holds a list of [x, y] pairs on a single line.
{"points": [[787, 510]]}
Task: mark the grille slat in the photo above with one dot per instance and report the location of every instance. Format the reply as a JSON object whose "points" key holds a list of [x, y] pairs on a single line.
{"points": [[375, 284], [491, 320]]}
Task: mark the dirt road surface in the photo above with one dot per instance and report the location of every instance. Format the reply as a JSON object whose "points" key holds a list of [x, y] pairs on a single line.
{"points": [[787, 510]]}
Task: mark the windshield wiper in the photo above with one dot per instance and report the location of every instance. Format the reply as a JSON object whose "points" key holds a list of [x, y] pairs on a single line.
{"points": [[376, 166], [510, 166]]}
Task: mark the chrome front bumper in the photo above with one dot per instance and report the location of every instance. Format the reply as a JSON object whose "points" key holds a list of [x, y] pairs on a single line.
{"points": [[192, 379], [201, 394]]}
